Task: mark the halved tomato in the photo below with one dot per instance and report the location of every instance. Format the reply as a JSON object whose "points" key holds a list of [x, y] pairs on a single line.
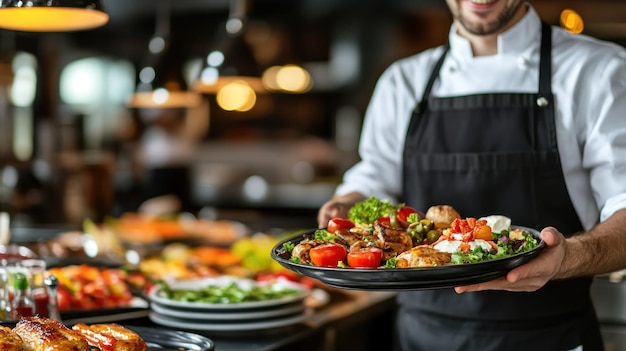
{"points": [[384, 220], [391, 221], [328, 255], [339, 224], [403, 214], [482, 231], [369, 257]]}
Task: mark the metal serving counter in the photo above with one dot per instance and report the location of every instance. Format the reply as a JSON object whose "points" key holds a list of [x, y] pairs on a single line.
{"points": [[608, 293]]}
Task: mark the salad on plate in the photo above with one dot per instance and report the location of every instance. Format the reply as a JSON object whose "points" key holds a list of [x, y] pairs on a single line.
{"points": [[379, 235]]}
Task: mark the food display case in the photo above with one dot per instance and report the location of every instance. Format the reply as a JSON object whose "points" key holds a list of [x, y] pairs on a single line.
{"points": [[117, 271]]}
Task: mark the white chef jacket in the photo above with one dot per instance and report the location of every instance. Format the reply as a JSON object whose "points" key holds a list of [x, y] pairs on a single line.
{"points": [[589, 85]]}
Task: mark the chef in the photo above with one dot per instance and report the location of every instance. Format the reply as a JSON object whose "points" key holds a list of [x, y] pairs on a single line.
{"points": [[513, 117]]}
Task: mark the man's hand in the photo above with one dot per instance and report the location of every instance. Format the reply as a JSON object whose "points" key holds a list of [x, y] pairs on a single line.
{"points": [[337, 207], [534, 274]]}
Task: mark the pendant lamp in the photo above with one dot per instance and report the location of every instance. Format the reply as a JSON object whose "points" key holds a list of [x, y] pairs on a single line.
{"points": [[231, 61], [51, 15], [161, 80]]}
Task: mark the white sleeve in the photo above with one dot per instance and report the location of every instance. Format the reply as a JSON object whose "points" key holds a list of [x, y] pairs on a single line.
{"points": [[379, 171], [604, 150]]}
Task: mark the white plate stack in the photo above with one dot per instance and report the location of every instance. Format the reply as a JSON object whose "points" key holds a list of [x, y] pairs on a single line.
{"points": [[228, 317]]}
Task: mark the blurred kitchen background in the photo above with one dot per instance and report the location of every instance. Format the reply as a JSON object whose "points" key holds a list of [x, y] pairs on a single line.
{"points": [[76, 143]]}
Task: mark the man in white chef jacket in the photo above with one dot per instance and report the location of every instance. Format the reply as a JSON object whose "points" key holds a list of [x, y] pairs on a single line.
{"points": [[510, 117]]}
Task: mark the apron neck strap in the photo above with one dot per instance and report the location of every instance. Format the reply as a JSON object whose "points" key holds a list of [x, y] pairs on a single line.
{"points": [[545, 65], [434, 75]]}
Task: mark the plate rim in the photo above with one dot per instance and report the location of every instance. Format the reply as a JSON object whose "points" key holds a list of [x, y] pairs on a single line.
{"points": [[233, 315], [209, 344], [263, 325]]}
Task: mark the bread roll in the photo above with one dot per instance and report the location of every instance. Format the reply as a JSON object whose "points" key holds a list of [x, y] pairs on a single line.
{"points": [[442, 215]]}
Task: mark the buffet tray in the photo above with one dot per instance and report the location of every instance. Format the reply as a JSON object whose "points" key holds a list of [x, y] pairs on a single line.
{"points": [[161, 339]]}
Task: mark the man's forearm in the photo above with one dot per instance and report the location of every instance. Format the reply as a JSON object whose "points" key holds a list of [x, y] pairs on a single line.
{"points": [[601, 250]]}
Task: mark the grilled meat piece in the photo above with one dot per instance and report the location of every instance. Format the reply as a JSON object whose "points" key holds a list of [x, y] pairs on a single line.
{"points": [[394, 240], [9, 341], [45, 334], [301, 251], [359, 245], [111, 337], [423, 256], [352, 235]]}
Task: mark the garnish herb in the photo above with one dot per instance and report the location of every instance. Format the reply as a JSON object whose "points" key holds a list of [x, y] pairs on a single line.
{"points": [[391, 263], [323, 234], [288, 246], [368, 211], [295, 259]]}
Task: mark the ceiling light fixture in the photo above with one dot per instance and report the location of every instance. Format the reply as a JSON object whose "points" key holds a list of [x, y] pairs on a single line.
{"points": [[232, 61], [51, 15], [161, 82]]}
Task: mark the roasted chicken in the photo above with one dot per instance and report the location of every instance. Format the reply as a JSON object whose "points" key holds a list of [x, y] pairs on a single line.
{"points": [[392, 240], [423, 256], [301, 251], [111, 337], [9, 341], [45, 334], [352, 235]]}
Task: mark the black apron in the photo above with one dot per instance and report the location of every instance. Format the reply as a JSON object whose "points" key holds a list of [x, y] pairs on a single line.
{"points": [[494, 154]]}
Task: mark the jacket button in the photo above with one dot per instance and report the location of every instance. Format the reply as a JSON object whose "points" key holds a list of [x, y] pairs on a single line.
{"points": [[522, 63], [542, 102]]}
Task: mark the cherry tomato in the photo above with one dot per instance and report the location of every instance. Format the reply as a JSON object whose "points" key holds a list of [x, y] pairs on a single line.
{"points": [[384, 220], [339, 224], [365, 258], [390, 221], [482, 232], [405, 211], [328, 255]]}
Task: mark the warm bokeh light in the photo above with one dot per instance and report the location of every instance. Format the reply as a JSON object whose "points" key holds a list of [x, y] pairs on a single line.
{"points": [[288, 78], [236, 96], [571, 21], [292, 78], [51, 19], [269, 78], [164, 98]]}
